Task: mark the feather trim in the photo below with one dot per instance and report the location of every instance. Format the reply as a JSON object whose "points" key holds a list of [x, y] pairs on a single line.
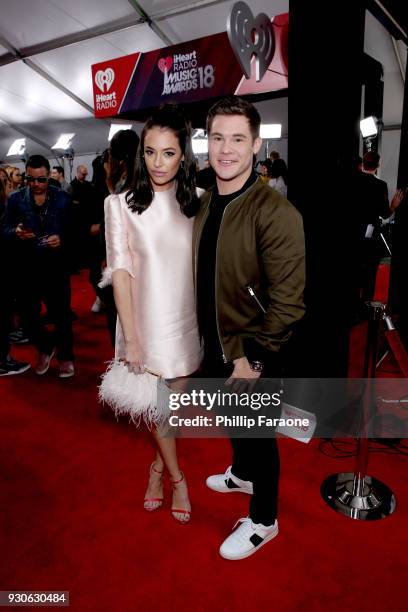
{"points": [[106, 279], [135, 394]]}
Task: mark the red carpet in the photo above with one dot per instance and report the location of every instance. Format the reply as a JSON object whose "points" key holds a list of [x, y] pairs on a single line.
{"points": [[389, 367], [71, 491]]}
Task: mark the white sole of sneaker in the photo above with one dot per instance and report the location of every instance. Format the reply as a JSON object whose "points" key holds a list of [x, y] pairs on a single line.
{"points": [[17, 373], [67, 375], [227, 490], [254, 550]]}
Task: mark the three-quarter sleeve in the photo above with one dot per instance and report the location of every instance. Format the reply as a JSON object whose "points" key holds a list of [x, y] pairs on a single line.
{"points": [[118, 255]]}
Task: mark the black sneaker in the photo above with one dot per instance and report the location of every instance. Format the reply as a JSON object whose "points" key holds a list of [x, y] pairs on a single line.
{"points": [[10, 367], [18, 337]]}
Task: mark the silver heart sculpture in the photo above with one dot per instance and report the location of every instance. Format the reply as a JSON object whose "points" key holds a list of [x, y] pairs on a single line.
{"points": [[250, 36]]}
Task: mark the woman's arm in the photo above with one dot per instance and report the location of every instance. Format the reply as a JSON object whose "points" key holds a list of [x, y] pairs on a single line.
{"points": [[119, 260], [123, 300]]}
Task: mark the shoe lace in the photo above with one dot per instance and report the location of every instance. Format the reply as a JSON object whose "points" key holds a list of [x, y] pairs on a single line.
{"points": [[247, 529]]}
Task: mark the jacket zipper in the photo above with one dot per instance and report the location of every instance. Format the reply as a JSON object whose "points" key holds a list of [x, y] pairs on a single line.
{"points": [[225, 360], [255, 297], [199, 231]]}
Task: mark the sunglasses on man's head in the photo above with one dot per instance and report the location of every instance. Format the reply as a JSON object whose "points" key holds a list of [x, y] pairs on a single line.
{"points": [[39, 179]]}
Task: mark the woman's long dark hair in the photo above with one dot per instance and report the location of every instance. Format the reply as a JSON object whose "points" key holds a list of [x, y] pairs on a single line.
{"points": [[140, 196], [122, 155], [278, 169]]}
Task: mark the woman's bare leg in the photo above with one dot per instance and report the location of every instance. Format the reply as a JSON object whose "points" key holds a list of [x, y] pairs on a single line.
{"points": [[168, 451], [154, 492], [166, 457]]}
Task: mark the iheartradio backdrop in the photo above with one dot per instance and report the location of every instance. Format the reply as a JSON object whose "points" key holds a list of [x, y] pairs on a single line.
{"points": [[188, 72]]}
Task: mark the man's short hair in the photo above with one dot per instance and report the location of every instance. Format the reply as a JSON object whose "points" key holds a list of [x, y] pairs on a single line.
{"points": [[38, 161], [59, 169], [371, 160], [233, 105]]}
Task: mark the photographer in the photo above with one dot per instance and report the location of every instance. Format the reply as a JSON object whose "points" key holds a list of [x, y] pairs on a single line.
{"points": [[398, 295], [370, 195]]}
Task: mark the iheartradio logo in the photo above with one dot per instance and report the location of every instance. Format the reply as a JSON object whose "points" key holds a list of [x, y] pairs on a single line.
{"points": [[104, 79], [165, 63]]}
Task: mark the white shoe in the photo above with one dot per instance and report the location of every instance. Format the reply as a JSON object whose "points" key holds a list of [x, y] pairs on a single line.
{"points": [[67, 369], [97, 305], [44, 362], [228, 483], [247, 539]]}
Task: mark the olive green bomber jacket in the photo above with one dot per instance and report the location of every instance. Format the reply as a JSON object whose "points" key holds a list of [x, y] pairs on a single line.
{"points": [[261, 245]]}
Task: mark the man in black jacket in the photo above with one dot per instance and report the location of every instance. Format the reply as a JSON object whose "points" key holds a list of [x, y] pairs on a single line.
{"points": [[246, 236], [398, 295], [38, 225], [83, 211], [8, 365], [370, 195]]}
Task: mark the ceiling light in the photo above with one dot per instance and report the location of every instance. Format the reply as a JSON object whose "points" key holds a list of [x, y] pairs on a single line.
{"points": [[63, 142], [271, 130], [368, 127], [200, 146], [18, 147]]}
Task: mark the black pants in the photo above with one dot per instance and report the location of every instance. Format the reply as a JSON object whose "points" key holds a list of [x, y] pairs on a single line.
{"points": [[371, 254], [6, 312], [50, 285], [254, 459], [106, 295]]}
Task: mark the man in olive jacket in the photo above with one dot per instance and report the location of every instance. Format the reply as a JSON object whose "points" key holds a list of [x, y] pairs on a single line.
{"points": [[249, 273]]}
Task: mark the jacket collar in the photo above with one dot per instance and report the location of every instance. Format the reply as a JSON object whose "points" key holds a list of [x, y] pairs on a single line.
{"points": [[28, 197], [254, 182], [253, 177]]}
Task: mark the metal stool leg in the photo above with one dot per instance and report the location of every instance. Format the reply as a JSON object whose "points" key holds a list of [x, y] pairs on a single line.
{"points": [[358, 495]]}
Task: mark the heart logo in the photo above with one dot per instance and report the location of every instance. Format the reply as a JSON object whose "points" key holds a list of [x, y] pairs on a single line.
{"points": [[250, 36], [105, 79], [165, 63]]}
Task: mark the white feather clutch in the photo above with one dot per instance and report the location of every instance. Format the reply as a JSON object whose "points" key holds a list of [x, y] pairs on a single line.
{"points": [[106, 278], [138, 395]]}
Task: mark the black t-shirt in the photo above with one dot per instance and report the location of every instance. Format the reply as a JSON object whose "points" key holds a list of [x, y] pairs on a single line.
{"points": [[206, 311], [41, 214]]}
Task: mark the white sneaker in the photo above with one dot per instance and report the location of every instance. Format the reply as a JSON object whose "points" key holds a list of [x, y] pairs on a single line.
{"points": [[67, 369], [228, 483], [97, 305], [247, 539], [44, 362]]}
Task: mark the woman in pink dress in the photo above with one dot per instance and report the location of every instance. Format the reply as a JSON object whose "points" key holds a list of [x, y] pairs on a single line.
{"points": [[149, 244]]}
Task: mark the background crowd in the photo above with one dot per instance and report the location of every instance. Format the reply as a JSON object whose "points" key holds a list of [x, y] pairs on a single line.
{"points": [[35, 305]]}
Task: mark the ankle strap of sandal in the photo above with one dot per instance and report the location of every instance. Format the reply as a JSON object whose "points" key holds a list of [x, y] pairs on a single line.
{"points": [[154, 469], [176, 482]]}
